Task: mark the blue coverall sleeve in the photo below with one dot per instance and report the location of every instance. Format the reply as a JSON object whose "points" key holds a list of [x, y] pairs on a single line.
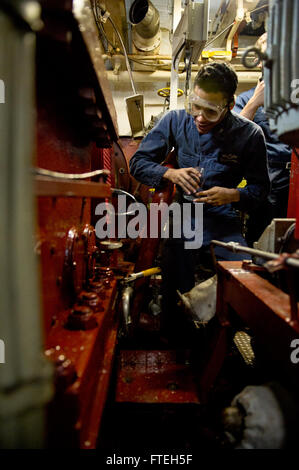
{"points": [[255, 172], [145, 163], [240, 103]]}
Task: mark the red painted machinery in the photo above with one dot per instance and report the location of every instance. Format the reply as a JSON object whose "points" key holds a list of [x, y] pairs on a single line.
{"points": [[76, 139], [79, 162]]}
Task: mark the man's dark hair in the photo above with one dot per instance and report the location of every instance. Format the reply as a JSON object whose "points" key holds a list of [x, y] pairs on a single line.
{"points": [[216, 77]]}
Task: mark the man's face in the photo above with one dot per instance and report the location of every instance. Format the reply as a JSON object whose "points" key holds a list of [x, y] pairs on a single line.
{"points": [[261, 43], [217, 101]]}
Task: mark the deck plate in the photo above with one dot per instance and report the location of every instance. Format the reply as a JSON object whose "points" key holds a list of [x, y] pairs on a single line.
{"points": [[155, 377]]}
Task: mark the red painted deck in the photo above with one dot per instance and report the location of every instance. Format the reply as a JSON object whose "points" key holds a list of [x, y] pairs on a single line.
{"points": [[155, 377]]}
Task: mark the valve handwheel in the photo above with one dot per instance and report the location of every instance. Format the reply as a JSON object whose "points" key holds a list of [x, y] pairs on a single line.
{"points": [[165, 92]]}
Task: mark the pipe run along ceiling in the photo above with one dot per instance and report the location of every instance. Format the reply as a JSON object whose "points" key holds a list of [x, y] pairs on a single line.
{"points": [[149, 79]]}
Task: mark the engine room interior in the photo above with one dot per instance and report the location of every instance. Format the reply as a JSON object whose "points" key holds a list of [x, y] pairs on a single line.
{"points": [[149, 192]]}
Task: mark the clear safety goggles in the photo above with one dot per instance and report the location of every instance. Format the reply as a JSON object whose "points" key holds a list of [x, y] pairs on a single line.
{"points": [[195, 106]]}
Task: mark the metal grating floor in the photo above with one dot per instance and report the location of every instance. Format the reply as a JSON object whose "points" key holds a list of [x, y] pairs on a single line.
{"points": [[242, 342]]}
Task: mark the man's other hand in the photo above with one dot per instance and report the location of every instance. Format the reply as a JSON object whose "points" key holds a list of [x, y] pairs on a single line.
{"points": [[258, 95], [218, 196], [255, 102], [187, 178]]}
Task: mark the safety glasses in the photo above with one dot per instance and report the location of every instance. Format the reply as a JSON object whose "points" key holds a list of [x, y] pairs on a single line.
{"points": [[195, 106]]}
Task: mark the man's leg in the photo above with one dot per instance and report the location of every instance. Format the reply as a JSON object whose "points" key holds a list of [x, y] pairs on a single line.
{"points": [[178, 266], [226, 229]]}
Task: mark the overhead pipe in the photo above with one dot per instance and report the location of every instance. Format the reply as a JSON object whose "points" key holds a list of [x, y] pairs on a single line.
{"points": [[164, 76], [146, 26]]}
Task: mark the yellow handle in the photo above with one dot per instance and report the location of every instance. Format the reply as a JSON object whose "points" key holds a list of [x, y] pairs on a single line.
{"points": [[151, 271]]}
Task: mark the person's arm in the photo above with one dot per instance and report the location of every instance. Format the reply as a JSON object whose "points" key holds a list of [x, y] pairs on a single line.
{"points": [[250, 108], [218, 196], [187, 178], [255, 170], [145, 165]]}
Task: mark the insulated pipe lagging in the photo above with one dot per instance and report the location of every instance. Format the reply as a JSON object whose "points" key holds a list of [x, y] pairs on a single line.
{"points": [[146, 25]]}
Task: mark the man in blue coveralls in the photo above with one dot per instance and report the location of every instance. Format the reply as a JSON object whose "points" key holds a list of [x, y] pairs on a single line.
{"points": [[250, 105], [229, 147]]}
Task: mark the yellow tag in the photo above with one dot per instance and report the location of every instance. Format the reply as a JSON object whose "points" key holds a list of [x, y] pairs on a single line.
{"points": [[242, 184], [215, 54], [151, 194]]}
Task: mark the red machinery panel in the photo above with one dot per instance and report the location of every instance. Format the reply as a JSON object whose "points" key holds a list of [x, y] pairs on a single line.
{"points": [[75, 134]]}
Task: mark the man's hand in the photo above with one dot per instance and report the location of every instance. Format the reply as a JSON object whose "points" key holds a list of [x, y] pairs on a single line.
{"points": [[187, 178], [218, 196], [255, 102], [258, 95]]}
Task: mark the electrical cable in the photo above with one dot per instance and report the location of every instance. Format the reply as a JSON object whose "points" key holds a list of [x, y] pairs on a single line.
{"points": [[220, 34], [101, 31], [176, 56], [106, 37], [129, 69], [259, 8], [125, 53], [188, 67], [100, 26], [156, 66], [95, 14]]}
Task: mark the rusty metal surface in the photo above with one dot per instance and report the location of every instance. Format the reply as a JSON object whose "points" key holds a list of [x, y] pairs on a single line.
{"points": [[121, 168], [49, 187], [155, 377], [262, 302]]}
